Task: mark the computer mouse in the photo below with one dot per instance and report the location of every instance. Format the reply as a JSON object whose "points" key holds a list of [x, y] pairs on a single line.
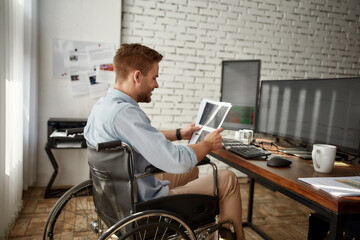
{"points": [[278, 161]]}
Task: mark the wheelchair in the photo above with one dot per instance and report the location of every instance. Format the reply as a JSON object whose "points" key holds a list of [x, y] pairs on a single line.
{"points": [[106, 206]]}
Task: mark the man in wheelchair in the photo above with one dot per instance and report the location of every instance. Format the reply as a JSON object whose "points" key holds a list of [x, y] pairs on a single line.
{"points": [[117, 116]]}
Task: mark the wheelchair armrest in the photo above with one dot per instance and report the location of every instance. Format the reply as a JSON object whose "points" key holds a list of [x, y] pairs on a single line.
{"points": [[203, 161], [150, 170], [153, 170]]}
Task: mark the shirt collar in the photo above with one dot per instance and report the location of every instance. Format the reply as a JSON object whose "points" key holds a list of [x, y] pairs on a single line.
{"points": [[117, 94]]}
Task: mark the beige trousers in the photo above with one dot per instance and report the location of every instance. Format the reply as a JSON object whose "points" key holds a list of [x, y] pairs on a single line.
{"points": [[229, 192]]}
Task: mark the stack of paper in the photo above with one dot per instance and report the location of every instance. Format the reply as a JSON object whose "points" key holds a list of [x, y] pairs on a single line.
{"points": [[337, 186]]}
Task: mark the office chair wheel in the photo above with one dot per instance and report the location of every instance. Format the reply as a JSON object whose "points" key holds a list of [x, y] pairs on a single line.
{"points": [[151, 224], [74, 216]]}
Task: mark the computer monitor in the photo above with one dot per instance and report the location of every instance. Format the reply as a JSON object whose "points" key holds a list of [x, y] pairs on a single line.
{"points": [[240, 81], [312, 111]]}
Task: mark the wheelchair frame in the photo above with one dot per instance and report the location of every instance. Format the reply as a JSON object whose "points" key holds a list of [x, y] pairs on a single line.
{"points": [[132, 226]]}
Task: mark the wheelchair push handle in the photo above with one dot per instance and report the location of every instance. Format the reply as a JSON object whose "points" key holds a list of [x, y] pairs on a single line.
{"points": [[108, 145]]}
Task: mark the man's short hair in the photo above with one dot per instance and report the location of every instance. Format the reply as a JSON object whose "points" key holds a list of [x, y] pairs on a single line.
{"points": [[134, 56]]}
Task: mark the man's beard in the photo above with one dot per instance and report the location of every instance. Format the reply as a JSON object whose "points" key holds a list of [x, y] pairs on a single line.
{"points": [[145, 98]]}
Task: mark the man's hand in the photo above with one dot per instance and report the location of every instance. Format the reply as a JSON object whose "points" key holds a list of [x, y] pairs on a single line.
{"points": [[187, 132], [214, 139], [211, 142]]}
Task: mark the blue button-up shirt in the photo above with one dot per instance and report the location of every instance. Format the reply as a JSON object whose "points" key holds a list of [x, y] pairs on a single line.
{"points": [[117, 116]]}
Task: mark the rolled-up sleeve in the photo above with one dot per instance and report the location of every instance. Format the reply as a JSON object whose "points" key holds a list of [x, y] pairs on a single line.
{"points": [[132, 124]]}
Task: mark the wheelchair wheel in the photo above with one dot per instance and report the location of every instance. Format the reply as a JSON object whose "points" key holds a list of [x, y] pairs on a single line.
{"points": [[74, 216], [152, 224]]}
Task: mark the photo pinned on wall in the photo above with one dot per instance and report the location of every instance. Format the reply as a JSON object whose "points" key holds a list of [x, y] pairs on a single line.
{"points": [[75, 77], [73, 58], [107, 67], [96, 88], [76, 59], [105, 73], [92, 79]]}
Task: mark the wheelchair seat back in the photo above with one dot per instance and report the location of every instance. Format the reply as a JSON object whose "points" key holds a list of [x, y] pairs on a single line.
{"points": [[111, 182]]}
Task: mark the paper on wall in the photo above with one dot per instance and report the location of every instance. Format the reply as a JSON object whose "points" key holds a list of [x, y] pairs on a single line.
{"points": [[85, 82], [76, 59], [210, 116], [62, 49], [79, 82], [105, 73], [100, 54], [98, 90]]}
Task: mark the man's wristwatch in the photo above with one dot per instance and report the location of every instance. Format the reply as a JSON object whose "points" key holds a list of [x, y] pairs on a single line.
{"points": [[178, 134]]}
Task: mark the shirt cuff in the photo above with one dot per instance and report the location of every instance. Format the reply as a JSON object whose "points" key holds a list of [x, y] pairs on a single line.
{"points": [[193, 156]]}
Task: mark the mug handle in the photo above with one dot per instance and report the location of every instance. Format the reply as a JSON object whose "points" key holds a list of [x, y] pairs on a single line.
{"points": [[315, 161], [241, 134]]}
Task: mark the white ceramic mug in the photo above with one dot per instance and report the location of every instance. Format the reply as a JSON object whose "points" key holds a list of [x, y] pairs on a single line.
{"points": [[245, 136], [323, 156]]}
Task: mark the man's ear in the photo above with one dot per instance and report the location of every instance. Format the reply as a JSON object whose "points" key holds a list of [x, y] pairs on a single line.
{"points": [[137, 76]]}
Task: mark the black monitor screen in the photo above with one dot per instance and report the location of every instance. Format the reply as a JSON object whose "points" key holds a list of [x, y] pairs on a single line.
{"points": [[312, 111], [240, 86]]}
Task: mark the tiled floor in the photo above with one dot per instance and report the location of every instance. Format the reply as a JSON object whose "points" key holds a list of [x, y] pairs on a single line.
{"points": [[277, 215]]}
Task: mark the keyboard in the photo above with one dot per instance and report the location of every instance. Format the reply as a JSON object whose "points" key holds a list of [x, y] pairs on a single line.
{"points": [[244, 150]]}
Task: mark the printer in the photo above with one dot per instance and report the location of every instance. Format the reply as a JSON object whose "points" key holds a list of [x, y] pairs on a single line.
{"points": [[60, 125]]}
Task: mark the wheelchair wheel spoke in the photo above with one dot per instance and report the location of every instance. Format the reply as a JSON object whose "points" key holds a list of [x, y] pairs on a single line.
{"points": [[81, 208], [157, 229], [139, 233], [74, 216], [72, 224], [169, 221], [164, 233], [156, 233], [152, 224], [85, 215], [147, 221]]}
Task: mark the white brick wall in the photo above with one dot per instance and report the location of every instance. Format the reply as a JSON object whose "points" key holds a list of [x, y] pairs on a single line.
{"points": [[294, 39]]}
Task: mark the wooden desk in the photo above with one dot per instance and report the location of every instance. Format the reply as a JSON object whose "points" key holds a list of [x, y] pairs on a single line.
{"points": [[285, 180]]}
